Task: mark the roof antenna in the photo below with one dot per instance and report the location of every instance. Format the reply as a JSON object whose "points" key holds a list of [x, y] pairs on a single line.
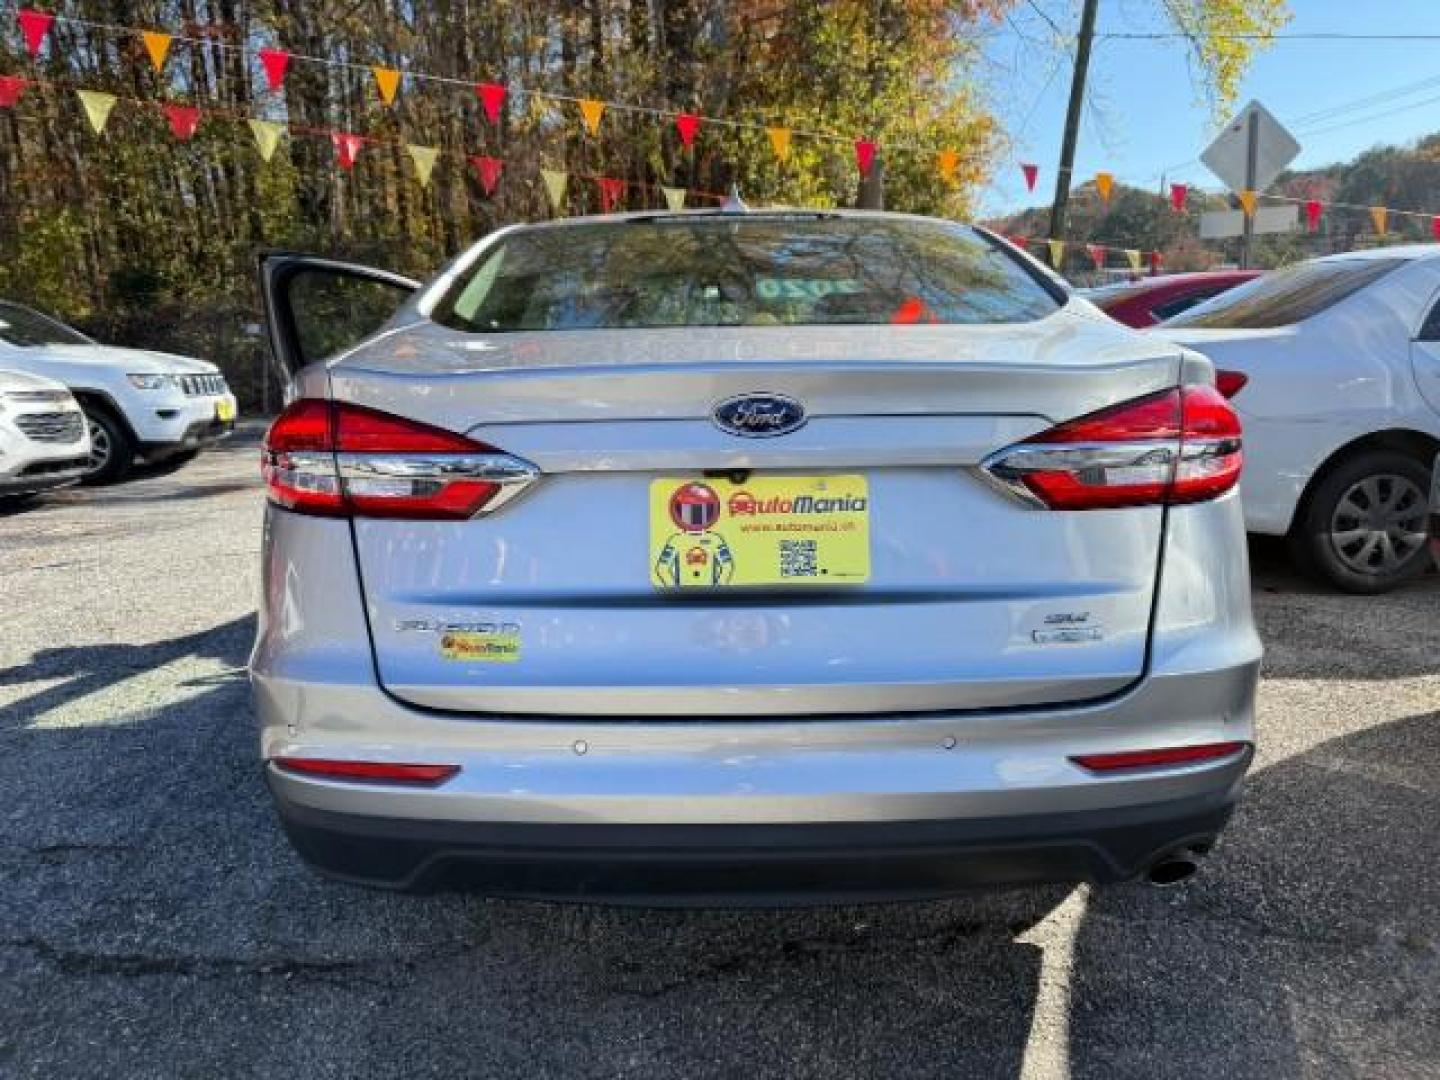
{"points": [[733, 204]]}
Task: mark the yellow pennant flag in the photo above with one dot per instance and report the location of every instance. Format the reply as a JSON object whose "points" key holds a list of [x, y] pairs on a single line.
{"points": [[591, 111], [424, 159], [1133, 258], [947, 161], [555, 183], [267, 137], [1247, 202], [780, 142], [674, 197], [388, 80], [157, 45], [97, 107], [1104, 182], [1057, 253], [1378, 216]]}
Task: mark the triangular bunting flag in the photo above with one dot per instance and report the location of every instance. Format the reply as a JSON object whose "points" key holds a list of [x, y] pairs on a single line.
{"points": [[387, 80], [1097, 255], [1104, 184], [97, 107], [591, 111], [11, 87], [275, 62], [780, 142], [1133, 258], [1435, 227], [1022, 242], [1313, 210], [424, 159], [1178, 194], [492, 97], [1032, 173], [1378, 217], [687, 124], [157, 44], [34, 25], [555, 184], [611, 192], [1057, 252], [1155, 261], [947, 161], [1247, 202], [267, 137], [864, 155], [488, 170], [674, 197], [347, 148], [183, 120]]}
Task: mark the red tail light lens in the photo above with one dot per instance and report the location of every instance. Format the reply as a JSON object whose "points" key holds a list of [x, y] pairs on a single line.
{"points": [[339, 459], [1230, 383], [373, 771], [1177, 446], [1150, 759]]}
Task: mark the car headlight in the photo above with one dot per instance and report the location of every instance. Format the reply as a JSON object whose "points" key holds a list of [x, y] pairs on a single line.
{"points": [[152, 382]]}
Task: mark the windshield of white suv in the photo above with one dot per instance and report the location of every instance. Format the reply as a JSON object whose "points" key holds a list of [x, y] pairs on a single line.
{"points": [[24, 327], [1285, 297], [761, 270]]}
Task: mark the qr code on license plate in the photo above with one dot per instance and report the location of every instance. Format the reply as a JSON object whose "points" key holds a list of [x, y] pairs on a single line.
{"points": [[797, 558]]}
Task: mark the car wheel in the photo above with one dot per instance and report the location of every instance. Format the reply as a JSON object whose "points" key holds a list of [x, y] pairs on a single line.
{"points": [[1363, 529], [111, 449]]}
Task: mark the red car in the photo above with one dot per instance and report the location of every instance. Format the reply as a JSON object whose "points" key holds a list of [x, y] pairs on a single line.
{"points": [[1154, 299]]}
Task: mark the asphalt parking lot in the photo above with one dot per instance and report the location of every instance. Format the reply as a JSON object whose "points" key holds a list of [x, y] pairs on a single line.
{"points": [[154, 923]]}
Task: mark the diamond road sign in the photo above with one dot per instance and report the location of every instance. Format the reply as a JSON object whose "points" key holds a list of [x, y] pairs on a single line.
{"points": [[1275, 148]]}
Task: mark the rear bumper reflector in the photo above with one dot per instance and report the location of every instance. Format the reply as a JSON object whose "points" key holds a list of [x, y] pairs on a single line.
{"points": [[370, 771], [1149, 759]]}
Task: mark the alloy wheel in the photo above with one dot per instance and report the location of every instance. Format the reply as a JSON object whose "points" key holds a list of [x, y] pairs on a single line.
{"points": [[1379, 524], [100, 447]]}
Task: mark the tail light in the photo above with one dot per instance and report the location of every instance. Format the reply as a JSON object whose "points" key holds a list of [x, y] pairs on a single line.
{"points": [[391, 772], [1150, 759], [1230, 383], [343, 460], [1177, 446]]}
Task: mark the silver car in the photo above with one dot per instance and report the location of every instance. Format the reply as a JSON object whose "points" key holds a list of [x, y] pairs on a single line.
{"points": [[728, 556]]}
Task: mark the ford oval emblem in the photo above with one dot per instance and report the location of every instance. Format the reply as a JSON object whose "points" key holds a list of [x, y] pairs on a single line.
{"points": [[759, 415]]}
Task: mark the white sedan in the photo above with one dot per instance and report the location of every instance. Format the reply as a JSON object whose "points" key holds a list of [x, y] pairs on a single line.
{"points": [[1334, 367]]}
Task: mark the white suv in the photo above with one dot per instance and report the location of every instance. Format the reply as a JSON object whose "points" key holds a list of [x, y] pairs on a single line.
{"points": [[137, 403], [43, 442]]}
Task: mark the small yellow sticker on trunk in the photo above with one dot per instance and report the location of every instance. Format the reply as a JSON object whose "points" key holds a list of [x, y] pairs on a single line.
{"points": [[498, 646]]}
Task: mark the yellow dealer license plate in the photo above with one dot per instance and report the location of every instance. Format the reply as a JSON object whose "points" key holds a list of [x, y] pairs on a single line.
{"points": [[769, 530], [224, 410]]}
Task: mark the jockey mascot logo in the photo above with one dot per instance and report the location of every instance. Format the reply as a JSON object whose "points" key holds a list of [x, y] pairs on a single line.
{"points": [[695, 555]]}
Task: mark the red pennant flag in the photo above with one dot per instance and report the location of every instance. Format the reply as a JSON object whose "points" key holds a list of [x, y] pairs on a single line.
{"points": [[11, 87], [1155, 261], [687, 124], [1097, 255], [1178, 194], [183, 120], [1022, 242], [347, 147], [34, 25], [488, 169], [611, 192], [1435, 227], [276, 61], [1312, 214], [1032, 173], [864, 155], [492, 97]]}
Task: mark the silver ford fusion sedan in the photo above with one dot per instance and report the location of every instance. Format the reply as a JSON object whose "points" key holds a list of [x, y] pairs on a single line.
{"points": [[733, 556]]}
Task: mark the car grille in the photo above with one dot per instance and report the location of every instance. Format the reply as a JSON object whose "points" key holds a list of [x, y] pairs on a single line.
{"points": [[38, 397], [202, 385], [52, 427]]}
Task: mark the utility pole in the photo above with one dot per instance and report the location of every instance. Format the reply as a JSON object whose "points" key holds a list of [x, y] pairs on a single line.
{"points": [[1252, 154], [1072, 120]]}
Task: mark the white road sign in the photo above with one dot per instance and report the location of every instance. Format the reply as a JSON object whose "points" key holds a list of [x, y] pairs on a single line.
{"points": [[1218, 224], [1275, 148]]}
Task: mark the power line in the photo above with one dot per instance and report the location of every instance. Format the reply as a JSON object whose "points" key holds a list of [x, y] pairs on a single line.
{"points": [[1176, 35]]}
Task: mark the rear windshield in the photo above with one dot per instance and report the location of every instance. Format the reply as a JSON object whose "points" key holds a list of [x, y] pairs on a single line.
{"points": [[1288, 296], [743, 271]]}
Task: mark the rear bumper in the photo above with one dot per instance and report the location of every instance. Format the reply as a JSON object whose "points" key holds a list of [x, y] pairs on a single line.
{"points": [[754, 863]]}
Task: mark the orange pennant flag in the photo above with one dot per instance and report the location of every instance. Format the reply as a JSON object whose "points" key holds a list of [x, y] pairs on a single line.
{"points": [[948, 161], [388, 80], [1378, 217], [157, 45], [1057, 252], [1247, 202], [1104, 182], [591, 111], [780, 142]]}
